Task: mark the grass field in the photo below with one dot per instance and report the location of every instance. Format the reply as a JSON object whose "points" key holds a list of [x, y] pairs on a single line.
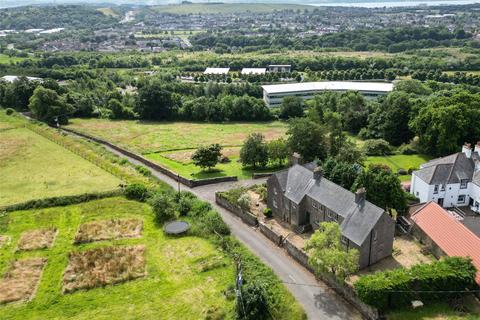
{"points": [[399, 161], [439, 311], [172, 143], [149, 137], [5, 59], [174, 288], [213, 8], [32, 167]]}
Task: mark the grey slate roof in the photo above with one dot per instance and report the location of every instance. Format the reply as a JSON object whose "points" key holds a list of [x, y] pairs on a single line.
{"points": [[448, 170], [358, 219]]}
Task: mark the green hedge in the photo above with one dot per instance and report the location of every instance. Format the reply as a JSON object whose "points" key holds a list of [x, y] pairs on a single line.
{"points": [[396, 288], [61, 201]]}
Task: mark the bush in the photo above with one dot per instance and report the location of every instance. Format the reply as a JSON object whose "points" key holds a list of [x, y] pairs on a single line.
{"points": [[185, 204], [253, 304], [9, 111], [268, 212], [244, 201], [417, 283], [136, 191], [376, 147], [402, 172], [212, 223], [163, 207], [411, 169], [143, 170]]}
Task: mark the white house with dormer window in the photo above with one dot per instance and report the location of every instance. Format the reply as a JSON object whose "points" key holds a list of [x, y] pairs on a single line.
{"points": [[451, 181]]}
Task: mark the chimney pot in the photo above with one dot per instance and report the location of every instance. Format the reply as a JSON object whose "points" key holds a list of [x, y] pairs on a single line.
{"points": [[360, 195], [467, 149], [317, 173]]}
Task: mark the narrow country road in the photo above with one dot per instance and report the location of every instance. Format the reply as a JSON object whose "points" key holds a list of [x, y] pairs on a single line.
{"points": [[318, 301]]}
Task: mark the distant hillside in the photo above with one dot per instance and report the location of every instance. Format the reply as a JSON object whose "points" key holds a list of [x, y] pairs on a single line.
{"points": [[228, 7]]}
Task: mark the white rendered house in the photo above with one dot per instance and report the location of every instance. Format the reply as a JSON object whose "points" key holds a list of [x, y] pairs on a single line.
{"points": [[451, 181]]}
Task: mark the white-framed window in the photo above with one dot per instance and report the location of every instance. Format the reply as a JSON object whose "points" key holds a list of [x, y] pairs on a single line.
{"points": [[344, 240], [461, 198], [417, 193], [294, 207], [375, 235], [463, 184], [275, 205], [435, 189], [314, 205], [442, 188]]}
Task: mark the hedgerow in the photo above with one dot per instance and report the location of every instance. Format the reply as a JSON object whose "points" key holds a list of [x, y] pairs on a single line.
{"points": [[426, 282]]}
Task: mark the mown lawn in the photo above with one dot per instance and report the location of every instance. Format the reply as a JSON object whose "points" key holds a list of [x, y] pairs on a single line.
{"points": [[32, 167], [147, 137], [399, 161], [175, 286], [190, 171]]}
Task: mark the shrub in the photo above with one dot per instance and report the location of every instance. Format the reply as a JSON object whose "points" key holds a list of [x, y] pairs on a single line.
{"points": [[411, 169], [9, 111], [185, 205], [212, 223], [417, 283], [253, 304], [268, 212], [163, 207], [261, 190], [244, 201], [376, 147], [143, 170], [136, 191], [402, 172]]}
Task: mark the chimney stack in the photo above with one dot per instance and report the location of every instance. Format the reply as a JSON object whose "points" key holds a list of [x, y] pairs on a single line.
{"points": [[360, 195], [477, 148], [317, 173], [467, 149], [296, 158]]}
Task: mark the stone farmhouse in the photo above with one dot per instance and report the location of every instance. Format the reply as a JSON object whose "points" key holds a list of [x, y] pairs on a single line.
{"points": [[451, 181], [303, 198]]}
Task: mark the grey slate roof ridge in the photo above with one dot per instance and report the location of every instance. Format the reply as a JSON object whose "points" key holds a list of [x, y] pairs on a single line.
{"points": [[353, 213]]}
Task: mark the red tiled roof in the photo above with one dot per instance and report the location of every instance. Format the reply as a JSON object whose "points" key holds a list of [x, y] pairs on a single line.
{"points": [[448, 233]]}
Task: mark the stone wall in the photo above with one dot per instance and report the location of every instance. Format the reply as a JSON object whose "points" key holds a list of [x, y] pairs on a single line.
{"points": [[188, 182], [342, 289], [246, 217], [270, 233]]}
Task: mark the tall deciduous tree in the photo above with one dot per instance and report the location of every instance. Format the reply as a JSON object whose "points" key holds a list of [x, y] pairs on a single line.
{"points": [[254, 151], [446, 122], [291, 107], [327, 255], [307, 138], [278, 150], [155, 102], [383, 188], [46, 105]]}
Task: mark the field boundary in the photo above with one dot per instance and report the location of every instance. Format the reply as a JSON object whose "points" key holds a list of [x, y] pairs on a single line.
{"points": [[60, 201], [175, 176]]}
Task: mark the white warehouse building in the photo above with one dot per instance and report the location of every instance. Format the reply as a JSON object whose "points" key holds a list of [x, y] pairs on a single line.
{"points": [[451, 181], [273, 94]]}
